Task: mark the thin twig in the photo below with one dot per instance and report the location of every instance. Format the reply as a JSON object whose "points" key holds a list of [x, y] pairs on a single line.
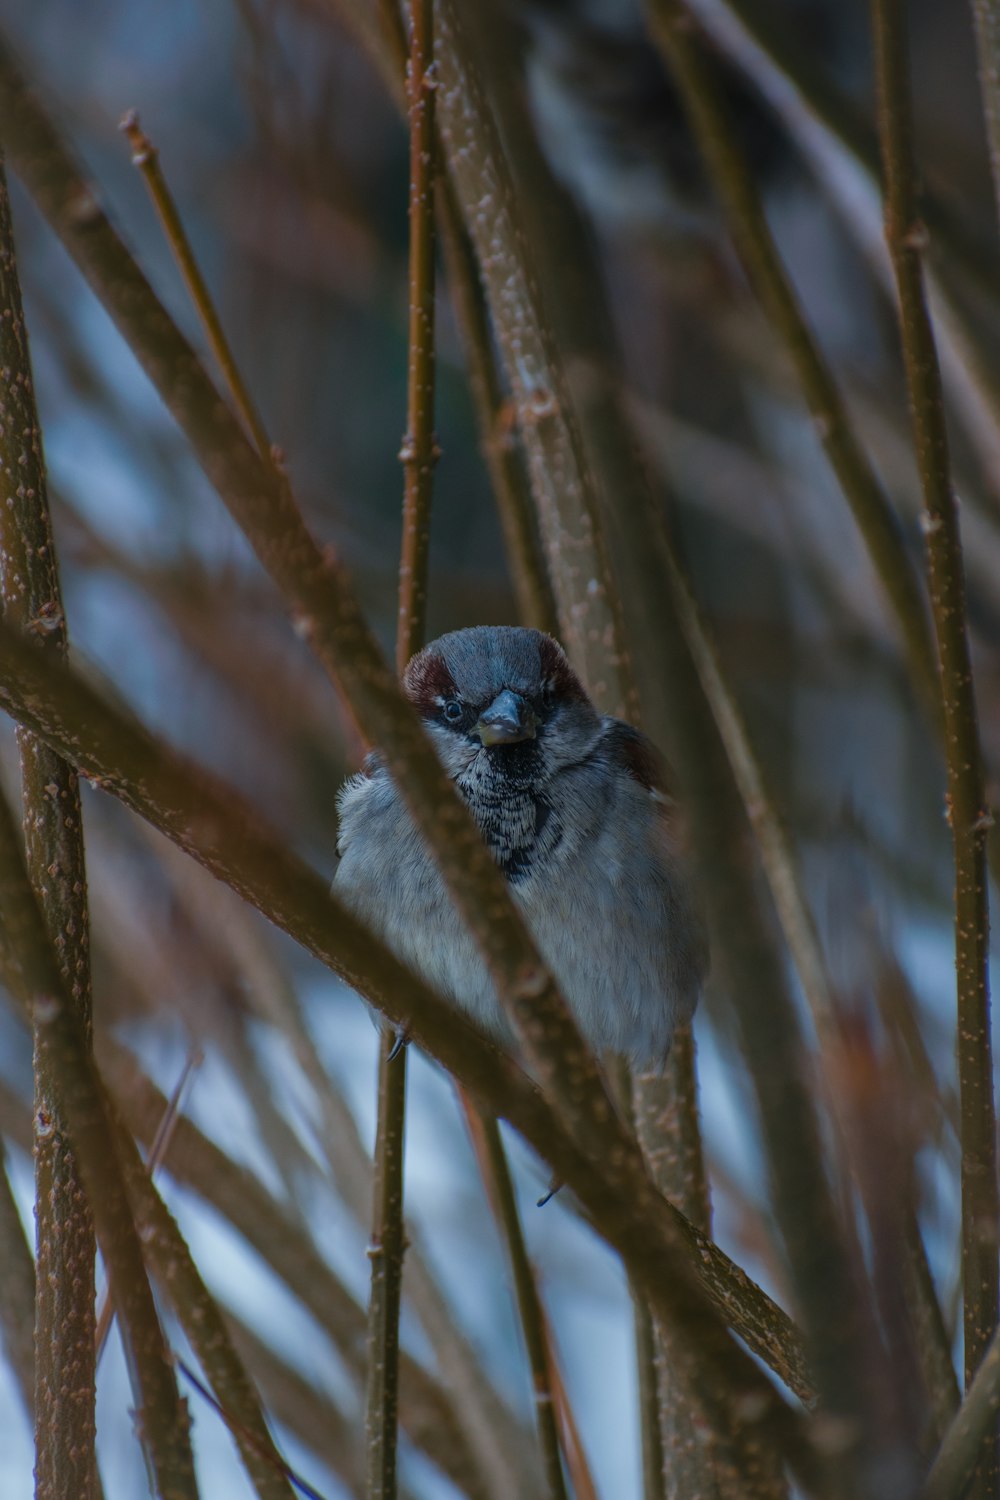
{"points": [[418, 455], [146, 157], [386, 1250], [968, 813], [65, 1370], [419, 451], [495, 1172]]}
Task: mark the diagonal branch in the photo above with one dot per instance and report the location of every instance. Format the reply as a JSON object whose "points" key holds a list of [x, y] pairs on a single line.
{"points": [[65, 1370]]}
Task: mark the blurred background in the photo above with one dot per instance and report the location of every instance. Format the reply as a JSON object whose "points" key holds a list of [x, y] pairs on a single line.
{"points": [[288, 161]]}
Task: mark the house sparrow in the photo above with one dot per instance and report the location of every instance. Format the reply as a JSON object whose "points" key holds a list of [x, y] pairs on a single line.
{"points": [[572, 808]]}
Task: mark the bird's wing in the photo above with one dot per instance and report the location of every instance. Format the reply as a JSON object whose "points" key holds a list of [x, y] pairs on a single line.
{"points": [[635, 752]]}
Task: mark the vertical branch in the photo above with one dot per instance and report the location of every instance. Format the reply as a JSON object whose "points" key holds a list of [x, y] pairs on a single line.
{"points": [[29, 584], [418, 455], [388, 1244], [968, 813], [419, 451], [161, 1416]]}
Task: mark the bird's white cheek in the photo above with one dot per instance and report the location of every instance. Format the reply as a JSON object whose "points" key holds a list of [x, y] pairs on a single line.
{"points": [[454, 751]]}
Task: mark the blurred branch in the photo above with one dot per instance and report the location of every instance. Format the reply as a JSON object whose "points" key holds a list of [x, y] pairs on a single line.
{"points": [[843, 151], [299, 1405], [300, 1486], [163, 1423], [683, 50], [973, 1427], [968, 812], [659, 1247], [64, 1407]]}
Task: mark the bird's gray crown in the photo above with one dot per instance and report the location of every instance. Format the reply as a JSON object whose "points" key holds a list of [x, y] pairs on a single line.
{"points": [[482, 661]]}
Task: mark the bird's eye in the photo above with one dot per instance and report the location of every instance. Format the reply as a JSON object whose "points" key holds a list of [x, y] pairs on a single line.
{"points": [[548, 696], [452, 710]]}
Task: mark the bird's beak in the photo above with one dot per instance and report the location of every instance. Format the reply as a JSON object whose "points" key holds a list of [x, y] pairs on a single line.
{"points": [[508, 720]]}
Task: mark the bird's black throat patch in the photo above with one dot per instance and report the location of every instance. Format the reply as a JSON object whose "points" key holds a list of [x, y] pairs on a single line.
{"points": [[513, 813]]}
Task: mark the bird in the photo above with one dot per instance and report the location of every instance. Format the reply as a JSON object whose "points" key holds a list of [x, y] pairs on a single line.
{"points": [[574, 808]]}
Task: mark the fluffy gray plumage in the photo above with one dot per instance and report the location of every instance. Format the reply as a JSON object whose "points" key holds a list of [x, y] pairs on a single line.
{"points": [[570, 805]]}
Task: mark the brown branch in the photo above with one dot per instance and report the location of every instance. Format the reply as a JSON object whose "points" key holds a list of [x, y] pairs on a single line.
{"points": [[967, 808], [163, 1423], [65, 1369], [418, 455], [419, 452]]}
